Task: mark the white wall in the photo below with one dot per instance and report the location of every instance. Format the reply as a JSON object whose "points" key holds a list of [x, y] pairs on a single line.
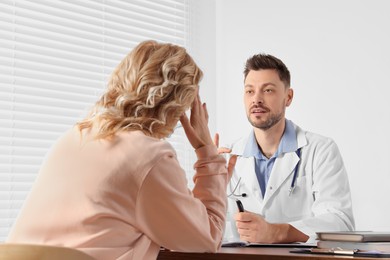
{"points": [[203, 49], [338, 53]]}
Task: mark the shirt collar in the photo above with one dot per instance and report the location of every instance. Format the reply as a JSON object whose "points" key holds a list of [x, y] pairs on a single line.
{"points": [[251, 147], [289, 139], [287, 144]]}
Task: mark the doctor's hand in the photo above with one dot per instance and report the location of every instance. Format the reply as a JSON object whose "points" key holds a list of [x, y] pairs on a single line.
{"points": [[254, 228], [223, 150]]}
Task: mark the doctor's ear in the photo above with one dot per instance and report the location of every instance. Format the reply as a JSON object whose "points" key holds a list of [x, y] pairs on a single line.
{"points": [[290, 95]]}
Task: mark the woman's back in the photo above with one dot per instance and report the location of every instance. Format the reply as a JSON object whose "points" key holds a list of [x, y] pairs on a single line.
{"points": [[86, 193], [111, 188]]}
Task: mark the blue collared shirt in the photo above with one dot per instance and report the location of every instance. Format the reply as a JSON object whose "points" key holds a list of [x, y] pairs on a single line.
{"points": [[263, 165]]}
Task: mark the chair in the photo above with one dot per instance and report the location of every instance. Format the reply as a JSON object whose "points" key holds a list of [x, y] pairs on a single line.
{"points": [[40, 252]]}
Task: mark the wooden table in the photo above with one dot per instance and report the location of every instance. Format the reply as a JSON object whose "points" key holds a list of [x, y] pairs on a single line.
{"points": [[252, 253]]}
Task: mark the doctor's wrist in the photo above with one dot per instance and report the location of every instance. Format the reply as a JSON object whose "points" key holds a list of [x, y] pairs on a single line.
{"points": [[285, 233]]}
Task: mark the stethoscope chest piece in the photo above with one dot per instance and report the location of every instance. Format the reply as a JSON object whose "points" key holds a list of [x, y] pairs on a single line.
{"points": [[291, 190]]}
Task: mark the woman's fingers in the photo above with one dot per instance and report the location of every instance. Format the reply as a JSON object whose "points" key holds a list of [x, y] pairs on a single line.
{"points": [[206, 113], [190, 132], [196, 126], [195, 109], [184, 120]]}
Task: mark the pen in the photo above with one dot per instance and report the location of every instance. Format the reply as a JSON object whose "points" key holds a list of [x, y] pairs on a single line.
{"points": [[335, 251], [340, 251], [239, 205]]}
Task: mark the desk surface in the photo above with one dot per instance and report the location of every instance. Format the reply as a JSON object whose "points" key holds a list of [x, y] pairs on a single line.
{"points": [[252, 253]]}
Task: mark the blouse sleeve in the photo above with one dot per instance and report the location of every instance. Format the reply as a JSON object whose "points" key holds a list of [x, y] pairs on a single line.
{"points": [[176, 218]]}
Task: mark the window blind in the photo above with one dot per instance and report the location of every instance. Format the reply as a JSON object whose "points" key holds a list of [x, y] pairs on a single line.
{"points": [[55, 59]]}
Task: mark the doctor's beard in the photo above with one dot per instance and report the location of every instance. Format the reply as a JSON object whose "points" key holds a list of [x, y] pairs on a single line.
{"points": [[272, 120]]}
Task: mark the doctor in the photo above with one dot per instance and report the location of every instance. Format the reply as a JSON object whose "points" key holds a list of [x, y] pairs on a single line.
{"points": [[291, 182]]}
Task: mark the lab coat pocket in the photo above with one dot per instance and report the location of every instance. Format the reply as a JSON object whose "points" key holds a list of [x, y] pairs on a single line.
{"points": [[298, 201], [230, 232]]}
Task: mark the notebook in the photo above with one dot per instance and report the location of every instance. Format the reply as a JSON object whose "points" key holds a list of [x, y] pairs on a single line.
{"points": [[355, 236], [345, 245]]}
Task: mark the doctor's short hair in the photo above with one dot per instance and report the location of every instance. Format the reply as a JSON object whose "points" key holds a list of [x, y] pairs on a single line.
{"points": [[266, 61], [148, 91]]}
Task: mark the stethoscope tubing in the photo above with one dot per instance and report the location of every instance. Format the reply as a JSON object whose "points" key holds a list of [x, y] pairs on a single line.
{"points": [[292, 186]]}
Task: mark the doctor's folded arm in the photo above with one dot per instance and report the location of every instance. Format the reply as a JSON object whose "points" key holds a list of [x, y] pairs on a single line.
{"points": [[292, 183]]}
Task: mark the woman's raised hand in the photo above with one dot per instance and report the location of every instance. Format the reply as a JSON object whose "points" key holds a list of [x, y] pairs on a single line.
{"points": [[196, 127]]}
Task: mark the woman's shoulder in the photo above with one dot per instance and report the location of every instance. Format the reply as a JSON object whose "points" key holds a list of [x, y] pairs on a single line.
{"points": [[141, 142]]}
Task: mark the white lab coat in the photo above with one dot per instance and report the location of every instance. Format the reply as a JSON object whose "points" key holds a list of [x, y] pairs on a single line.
{"points": [[321, 200]]}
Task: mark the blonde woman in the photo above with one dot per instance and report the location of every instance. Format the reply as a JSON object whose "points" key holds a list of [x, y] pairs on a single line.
{"points": [[113, 188]]}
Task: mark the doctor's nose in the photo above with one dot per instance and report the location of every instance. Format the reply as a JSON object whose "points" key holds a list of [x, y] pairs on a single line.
{"points": [[258, 101], [257, 98]]}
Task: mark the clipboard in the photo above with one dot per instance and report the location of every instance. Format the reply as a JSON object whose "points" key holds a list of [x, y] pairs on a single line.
{"points": [[356, 252]]}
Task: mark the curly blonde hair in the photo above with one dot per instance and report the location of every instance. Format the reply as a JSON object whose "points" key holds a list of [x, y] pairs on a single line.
{"points": [[148, 91]]}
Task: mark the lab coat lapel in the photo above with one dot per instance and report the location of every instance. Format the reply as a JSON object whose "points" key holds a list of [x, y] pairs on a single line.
{"points": [[245, 167], [284, 167], [247, 173]]}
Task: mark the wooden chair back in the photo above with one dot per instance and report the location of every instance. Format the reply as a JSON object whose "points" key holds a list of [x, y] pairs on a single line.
{"points": [[40, 252]]}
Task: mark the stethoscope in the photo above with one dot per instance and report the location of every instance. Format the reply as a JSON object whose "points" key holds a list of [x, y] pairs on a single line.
{"points": [[290, 190], [233, 193], [292, 186]]}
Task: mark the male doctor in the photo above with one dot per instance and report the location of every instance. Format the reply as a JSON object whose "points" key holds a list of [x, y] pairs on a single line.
{"points": [[291, 182]]}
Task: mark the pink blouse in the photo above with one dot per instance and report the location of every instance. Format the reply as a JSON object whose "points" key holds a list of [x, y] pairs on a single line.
{"points": [[123, 199]]}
